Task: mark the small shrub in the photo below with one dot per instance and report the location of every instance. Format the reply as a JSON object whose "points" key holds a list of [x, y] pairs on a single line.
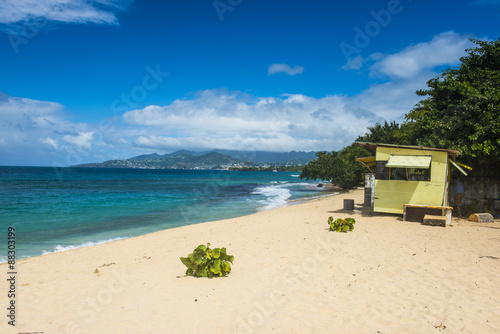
{"points": [[206, 262], [341, 225]]}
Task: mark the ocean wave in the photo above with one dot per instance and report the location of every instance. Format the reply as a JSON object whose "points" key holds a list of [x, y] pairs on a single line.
{"points": [[275, 196], [301, 186], [60, 248]]}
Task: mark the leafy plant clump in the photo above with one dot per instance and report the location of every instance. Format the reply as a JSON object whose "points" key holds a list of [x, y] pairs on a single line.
{"points": [[207, 262], [341, 225]]}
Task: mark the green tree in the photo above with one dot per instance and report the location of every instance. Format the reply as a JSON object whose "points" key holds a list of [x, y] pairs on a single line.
{"points": [[462, 110], [391, 133], [340, 167], [320, 168]]}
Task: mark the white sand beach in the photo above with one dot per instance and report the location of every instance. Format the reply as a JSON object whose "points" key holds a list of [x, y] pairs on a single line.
{"points": [[290, 275]]}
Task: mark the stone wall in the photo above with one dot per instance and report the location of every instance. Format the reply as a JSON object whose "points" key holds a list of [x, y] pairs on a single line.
{"points": [[481, 189]]}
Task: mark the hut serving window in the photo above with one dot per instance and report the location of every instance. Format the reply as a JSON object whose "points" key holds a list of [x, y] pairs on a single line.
{"points": [[404, 167]]}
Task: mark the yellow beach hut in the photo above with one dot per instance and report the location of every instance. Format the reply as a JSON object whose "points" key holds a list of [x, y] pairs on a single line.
{"points": [[410, 176]]}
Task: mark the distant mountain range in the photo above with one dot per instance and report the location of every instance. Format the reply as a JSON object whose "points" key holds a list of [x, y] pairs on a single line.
{"points": [[214, 159]]}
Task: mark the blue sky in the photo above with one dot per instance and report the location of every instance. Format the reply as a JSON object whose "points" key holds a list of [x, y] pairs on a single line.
{"points": [[87, 81]]}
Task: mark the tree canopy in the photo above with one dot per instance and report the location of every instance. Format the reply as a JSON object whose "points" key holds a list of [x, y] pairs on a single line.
{"points": [[391, 133], [340, 167], [462, 108], [461, 111]]}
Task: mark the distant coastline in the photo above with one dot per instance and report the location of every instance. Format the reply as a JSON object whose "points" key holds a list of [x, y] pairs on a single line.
{"points": [[213, 160]]}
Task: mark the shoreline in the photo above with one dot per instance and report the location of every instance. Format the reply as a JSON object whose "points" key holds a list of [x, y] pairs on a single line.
{"points": [[290, 274], [330, 191]]}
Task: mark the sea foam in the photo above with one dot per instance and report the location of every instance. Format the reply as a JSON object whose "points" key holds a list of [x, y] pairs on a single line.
{"points": [[60, 248], [275, 196]]}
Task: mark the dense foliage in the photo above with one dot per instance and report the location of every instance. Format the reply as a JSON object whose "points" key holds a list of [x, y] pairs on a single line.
{"points": [[461, 112], [391, 133], [206, 262], [340, 167]]}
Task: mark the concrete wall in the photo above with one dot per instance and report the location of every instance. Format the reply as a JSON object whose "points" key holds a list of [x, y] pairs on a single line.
{"points": [[481, 189]]}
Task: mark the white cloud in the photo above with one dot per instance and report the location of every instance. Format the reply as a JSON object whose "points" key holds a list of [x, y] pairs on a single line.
{"points": [[408, 71], [231, 120], [50, 141], [392, 100], [14, 12], [444, 49], [354, 64], [81, 140], [222, 119], [39, 132], [284, 68]]}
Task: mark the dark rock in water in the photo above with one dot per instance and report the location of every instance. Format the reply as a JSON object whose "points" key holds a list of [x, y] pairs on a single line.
{"points": [[320, 185]]}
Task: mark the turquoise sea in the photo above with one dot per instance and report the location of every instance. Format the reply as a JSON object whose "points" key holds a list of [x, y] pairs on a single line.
{"points": [[56, 209]]}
